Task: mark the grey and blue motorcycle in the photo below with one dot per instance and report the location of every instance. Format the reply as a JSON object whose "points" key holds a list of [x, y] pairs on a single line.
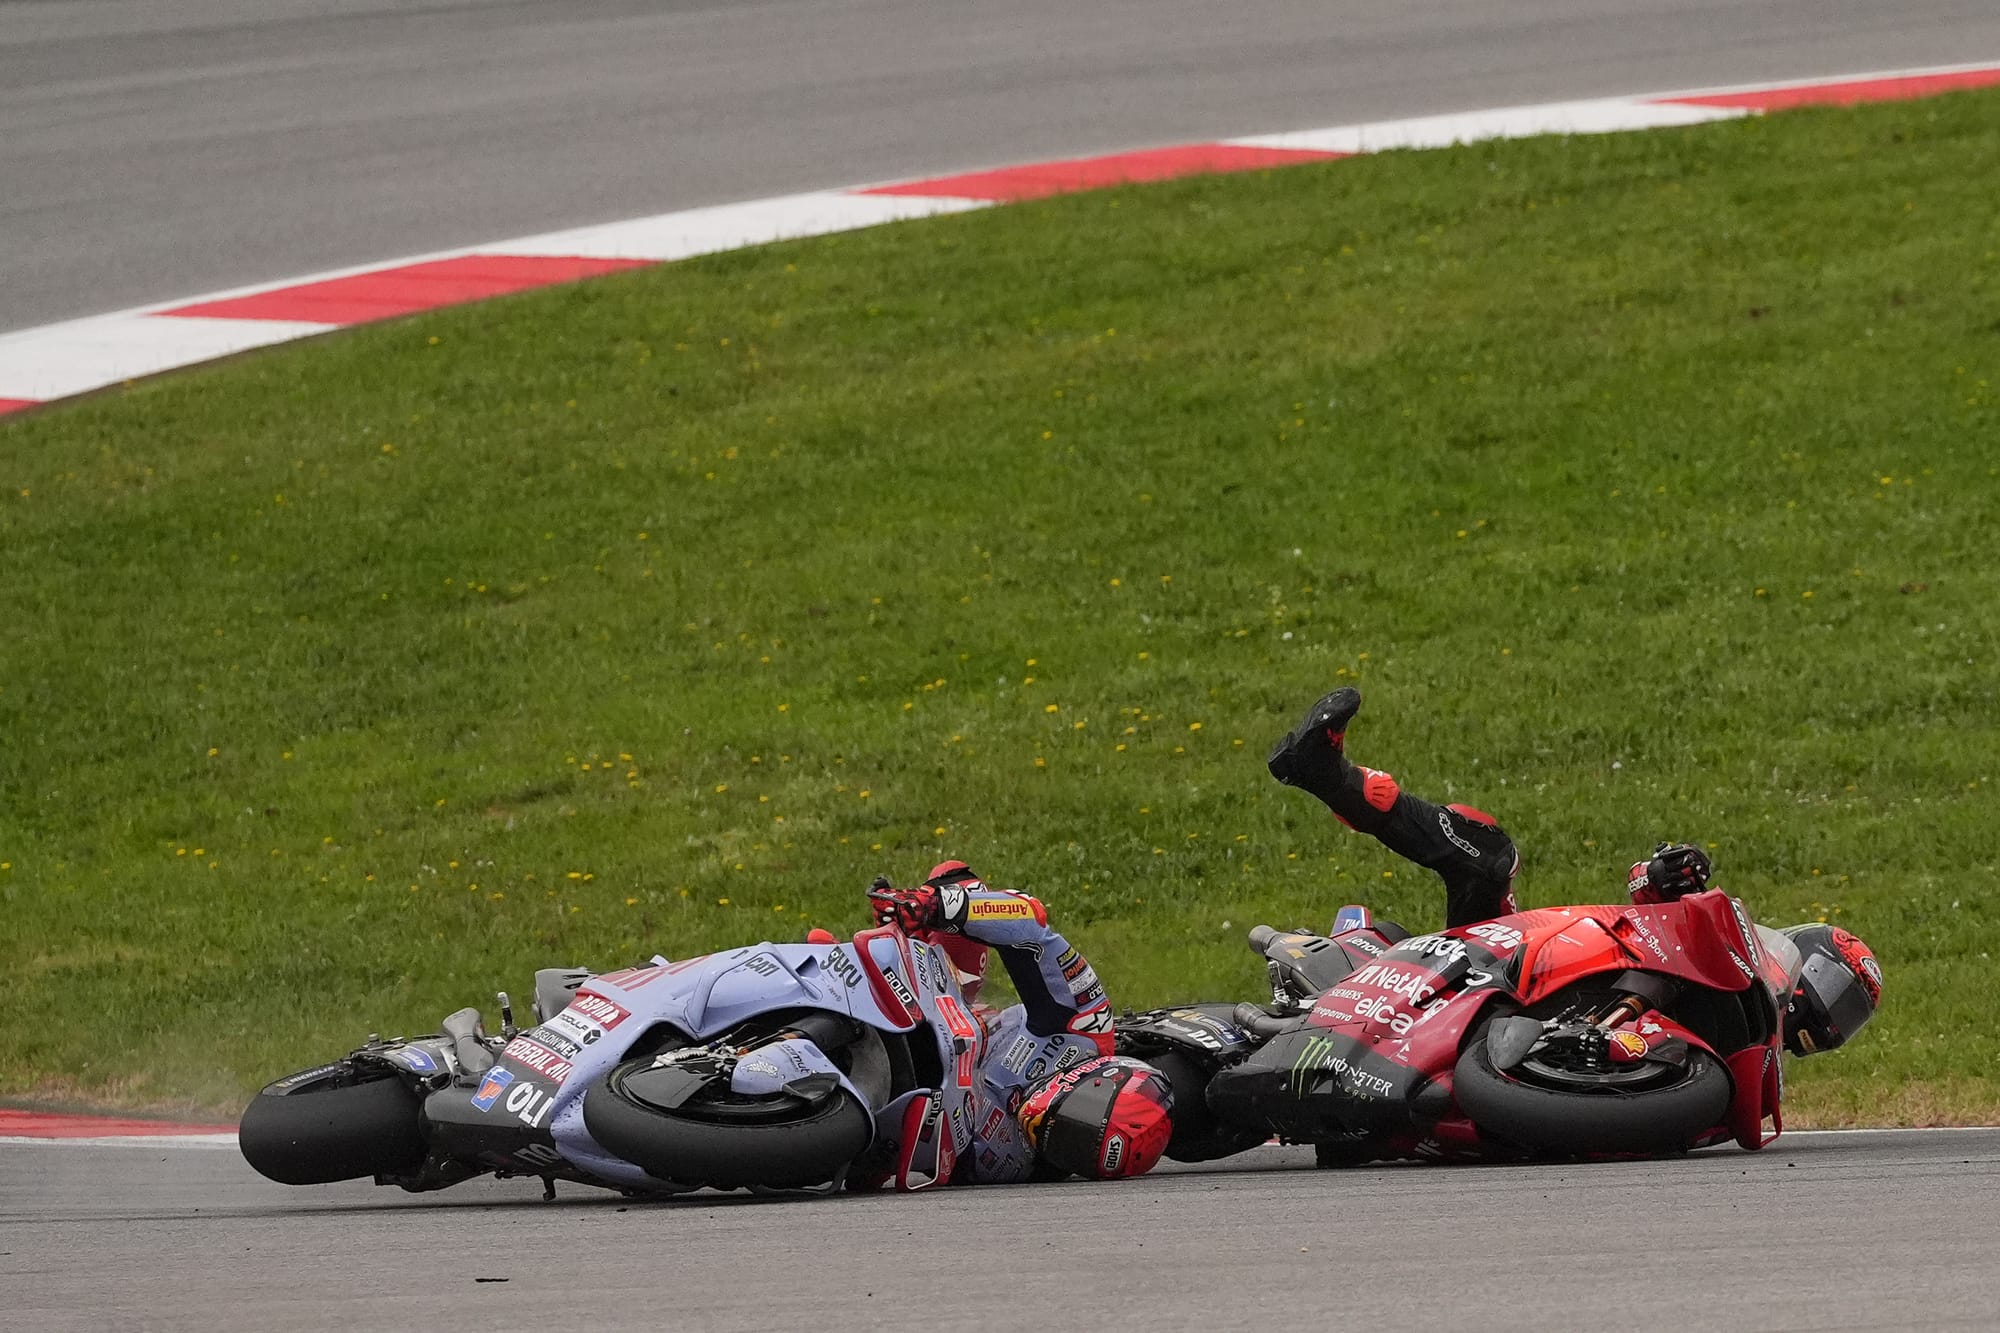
{"points": [[777, 1066]]}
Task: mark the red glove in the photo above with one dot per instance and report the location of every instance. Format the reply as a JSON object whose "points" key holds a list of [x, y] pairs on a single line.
{"points": [[909, 910]]}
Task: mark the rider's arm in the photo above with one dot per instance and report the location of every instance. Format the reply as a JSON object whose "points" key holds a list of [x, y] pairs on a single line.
{"points": [[1058, 988]]}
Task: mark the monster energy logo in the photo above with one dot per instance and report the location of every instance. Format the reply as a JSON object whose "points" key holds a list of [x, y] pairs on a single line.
{"points": [[1314, 1056], [1317, 1055]]}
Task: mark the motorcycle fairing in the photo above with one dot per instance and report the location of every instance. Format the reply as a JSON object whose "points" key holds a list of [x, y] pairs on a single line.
{"points": [[1301, 1082], [701, 997]]}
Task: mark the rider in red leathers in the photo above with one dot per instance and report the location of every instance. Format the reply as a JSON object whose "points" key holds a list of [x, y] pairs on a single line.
{"points": [[1835, 979]]}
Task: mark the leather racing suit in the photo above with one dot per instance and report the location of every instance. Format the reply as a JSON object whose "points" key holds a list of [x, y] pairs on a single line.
{"points": [[1062, 1020]]}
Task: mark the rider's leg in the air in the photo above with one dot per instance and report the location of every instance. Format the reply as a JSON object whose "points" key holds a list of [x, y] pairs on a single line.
{"points": [[1466, 847]]}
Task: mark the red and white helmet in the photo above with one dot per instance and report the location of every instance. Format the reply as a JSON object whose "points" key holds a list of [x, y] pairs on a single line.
{"points": [[1107, 1118], [1840, 986]]}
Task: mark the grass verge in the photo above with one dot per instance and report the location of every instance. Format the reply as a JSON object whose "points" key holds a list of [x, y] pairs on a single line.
{"points": [[1646, 482]]}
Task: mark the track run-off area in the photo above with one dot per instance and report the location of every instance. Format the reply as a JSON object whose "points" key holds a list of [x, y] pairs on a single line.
{"points": [[1820, 1231]]}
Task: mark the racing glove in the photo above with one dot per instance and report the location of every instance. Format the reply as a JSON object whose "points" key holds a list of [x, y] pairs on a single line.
{"points": [[939, 903], [1675, 870]]}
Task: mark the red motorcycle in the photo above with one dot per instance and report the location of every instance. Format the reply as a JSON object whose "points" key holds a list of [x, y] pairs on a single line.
{"points": [[1573, 1031]]}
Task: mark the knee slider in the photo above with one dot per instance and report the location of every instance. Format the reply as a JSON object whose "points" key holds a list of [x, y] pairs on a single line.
{"points": [[1379, 789]]}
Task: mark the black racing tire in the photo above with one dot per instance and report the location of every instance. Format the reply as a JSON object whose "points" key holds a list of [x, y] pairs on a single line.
{"points": [[807, 1149], [1665, 1118], [1199, 1135], [336, 1127]]}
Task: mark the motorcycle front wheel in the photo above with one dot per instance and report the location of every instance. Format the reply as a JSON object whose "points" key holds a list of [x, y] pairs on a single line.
{"points": [[332, 1124], [724, 1140], [1663, 1116]]}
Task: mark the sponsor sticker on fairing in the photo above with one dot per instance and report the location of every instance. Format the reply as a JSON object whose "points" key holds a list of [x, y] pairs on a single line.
{"points": [[535, 1056], [605, 1013], [901, 988], [496, 1082]]}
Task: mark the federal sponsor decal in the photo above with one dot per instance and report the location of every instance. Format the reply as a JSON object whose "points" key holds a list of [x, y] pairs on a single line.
{"points": [[533, 1055], [416, 1058], [496, 1082], [598, 1010]]}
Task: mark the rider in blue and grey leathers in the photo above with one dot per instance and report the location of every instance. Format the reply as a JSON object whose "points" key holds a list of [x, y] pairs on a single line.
{"points": [[1063, 1019]]}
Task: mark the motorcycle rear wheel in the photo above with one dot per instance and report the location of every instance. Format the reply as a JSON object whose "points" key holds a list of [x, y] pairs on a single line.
{"points": [[1663, 1118], [337, 1127], [772, 1144]]}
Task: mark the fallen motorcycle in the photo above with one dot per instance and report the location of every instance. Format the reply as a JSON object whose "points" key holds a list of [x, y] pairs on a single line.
{"points": [[1576, 1031], [781, 1066]]}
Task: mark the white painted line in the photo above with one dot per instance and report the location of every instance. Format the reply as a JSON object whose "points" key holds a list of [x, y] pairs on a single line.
{"points": [[61, 359], [75, 356], [1790, 1133], [1825, 81], [123, 1141], [1603, 116], [705, 231]]}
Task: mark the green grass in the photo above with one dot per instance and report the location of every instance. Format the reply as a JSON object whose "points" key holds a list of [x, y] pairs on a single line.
{"points": [[1648, 484]]}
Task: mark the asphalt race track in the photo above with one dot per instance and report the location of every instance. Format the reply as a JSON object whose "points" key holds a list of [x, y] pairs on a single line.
{"points": [[153, 150], [1821, 1231]]}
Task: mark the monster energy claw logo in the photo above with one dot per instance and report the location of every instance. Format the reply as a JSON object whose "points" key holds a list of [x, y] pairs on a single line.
{"points": [[1317, 1056], [1313, 1057]]}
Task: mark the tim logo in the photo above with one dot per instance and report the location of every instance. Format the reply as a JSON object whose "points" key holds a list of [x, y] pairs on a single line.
{"points": [[491, 1087]]}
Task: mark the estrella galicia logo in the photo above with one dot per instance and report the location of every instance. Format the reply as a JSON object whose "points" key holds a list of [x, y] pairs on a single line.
{"points": [[495, 1083]]}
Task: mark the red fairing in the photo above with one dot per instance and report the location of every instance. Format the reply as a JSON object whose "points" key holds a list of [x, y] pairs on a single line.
{"points": [[1760, 1084], [892, 1004]]}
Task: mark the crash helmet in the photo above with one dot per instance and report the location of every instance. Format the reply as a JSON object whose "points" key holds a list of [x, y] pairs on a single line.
{"points": [[1675, 870], [1840, 985], [1104, 1119]]}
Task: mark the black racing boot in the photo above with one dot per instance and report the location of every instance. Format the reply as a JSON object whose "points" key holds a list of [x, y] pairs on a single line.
{"points": [[1311, 756]]}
